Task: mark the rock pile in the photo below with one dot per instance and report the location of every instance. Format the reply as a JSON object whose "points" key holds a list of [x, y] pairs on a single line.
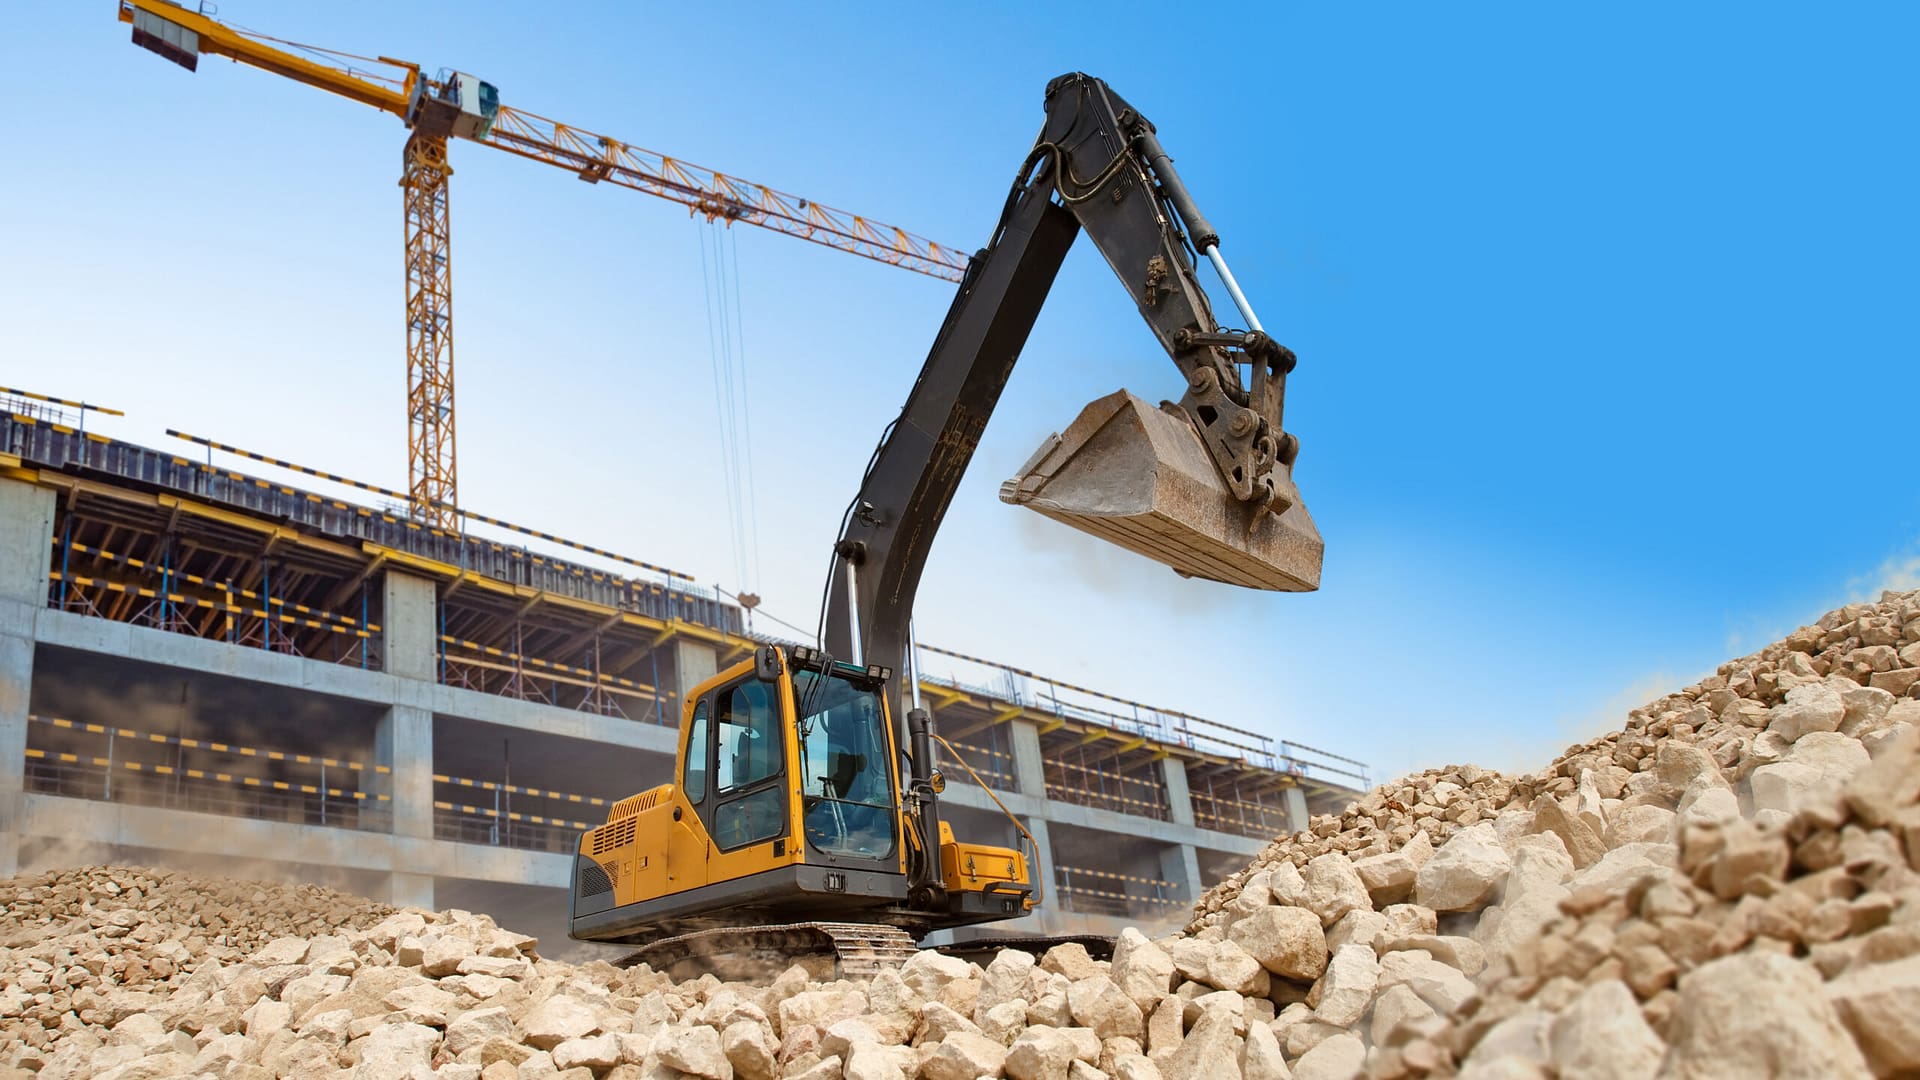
{"points": [[1726, 888]]}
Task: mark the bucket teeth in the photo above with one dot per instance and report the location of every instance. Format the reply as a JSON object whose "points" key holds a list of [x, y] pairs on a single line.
{"points": [[1141, 478]]}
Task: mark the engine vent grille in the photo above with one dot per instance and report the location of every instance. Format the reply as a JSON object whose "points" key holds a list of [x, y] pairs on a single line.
{"points": [[633, 804], [613, 836], [594, 880]]}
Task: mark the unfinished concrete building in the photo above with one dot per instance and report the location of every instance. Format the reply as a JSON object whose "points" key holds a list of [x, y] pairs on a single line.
{"points": [[203, 668]]}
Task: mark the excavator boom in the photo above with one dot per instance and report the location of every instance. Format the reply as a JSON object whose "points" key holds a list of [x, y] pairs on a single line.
{"points": [[1204, 486]]}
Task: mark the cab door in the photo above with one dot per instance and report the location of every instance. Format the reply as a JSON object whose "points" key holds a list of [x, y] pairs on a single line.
{"points": [[745, 813], [686, 840]]}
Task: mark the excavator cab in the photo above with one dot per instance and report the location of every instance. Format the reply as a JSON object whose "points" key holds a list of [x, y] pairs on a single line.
{"points": [[1142, 478], [787, 805]]}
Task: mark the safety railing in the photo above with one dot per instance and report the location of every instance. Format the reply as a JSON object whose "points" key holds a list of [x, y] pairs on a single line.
{"points": [[500, 814], [994, 766], [114, 764], [1106, 789], [157, 594], [1071, 701], [489, 669], [1230, 812], [1103, 892]]}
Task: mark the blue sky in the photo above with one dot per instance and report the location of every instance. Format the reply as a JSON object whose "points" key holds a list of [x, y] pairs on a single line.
{"points": [[1605, 315]]}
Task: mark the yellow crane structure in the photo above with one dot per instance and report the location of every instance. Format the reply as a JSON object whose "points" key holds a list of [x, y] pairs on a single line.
{"points": [[453, 104]]}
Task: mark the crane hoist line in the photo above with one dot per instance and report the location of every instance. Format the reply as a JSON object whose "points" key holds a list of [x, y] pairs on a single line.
{"points": [[457, 105]]}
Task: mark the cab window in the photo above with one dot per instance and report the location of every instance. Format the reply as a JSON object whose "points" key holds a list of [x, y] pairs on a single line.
{"points": [[748, 730], [693, 779]]}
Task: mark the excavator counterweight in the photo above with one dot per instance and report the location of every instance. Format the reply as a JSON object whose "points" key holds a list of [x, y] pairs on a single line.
{"points": [[1140, 478]]}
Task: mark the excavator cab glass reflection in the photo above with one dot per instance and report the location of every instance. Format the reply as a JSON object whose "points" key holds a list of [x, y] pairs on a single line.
{"points": [[847, 801]]}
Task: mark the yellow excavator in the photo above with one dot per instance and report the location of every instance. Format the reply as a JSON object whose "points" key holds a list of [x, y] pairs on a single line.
{"points": [[803, 823]]}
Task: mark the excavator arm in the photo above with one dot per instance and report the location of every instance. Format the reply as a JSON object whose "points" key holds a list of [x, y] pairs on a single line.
{"points": [[1203, 485], [1097, 165]]}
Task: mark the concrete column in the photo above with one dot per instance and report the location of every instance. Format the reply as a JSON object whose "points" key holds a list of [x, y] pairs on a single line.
{"points": [[1296, 808], [1179, 799], [403, 742], [1181, 865], [1043, 873], [694, 662], [26, 538], [1029, 768], [409, 627]]}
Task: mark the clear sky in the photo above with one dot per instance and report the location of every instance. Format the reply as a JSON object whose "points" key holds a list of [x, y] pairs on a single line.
{"points": [[1605, 314]]}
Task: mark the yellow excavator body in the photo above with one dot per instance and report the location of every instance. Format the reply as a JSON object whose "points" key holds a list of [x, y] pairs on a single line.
{"points": [[787, 805]]}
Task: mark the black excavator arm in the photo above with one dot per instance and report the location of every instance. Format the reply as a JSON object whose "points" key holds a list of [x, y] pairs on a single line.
{"points": [[1097, 165]]}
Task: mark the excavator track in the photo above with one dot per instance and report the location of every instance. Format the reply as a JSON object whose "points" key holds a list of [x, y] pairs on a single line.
{"points": [[827, 950], [981, 949]]}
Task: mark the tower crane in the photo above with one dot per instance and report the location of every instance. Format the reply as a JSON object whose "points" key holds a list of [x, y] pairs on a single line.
{"points": [[454, 104]]}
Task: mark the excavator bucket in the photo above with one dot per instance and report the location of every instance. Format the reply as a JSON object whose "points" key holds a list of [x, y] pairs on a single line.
{"points": [[1141, 478]]}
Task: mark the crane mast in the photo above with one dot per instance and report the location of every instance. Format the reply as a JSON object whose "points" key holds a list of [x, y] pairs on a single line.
{"points": [[454, 104]]}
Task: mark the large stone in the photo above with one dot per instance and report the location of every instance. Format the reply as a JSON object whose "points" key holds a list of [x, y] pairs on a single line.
{"points": [[1071, 960], [1463, 954], [1880, 1005], [928, 972], [1583, 843], [394, 1050], [1643, 823], [749, 1048], [444, 954], [421, 1003], [1141, 969], [1625, 865], [1287, 941], [1395, 1006], [1809, 708], [1403, 919], [1040, 1054], [1341, 1057], [1866, 707], [871, 1061], [1009, 978], [1879, 793], [281, 950], [1465, 873], [1388, 877], [1346, 990], [1219, 964], [1757, 1014], [1708, 801], [1333, 888], [1898, 681], [1443, 987], [694, 1050], [556, 1020], [1260, 1056], [1679, 766], [477, 1027], [599, 1052], [937, 1021], [1208, 1050], [1097, 1003], [839, 1039], [962, 1056], [1602, 1036], [1790, 787], [823, 1008]]}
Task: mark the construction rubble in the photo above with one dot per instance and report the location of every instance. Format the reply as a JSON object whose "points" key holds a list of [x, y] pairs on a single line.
{"points": [[1725, 888]]}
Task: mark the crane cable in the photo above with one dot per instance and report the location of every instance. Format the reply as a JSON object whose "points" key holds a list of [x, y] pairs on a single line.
{"points": [[732, 390]]}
